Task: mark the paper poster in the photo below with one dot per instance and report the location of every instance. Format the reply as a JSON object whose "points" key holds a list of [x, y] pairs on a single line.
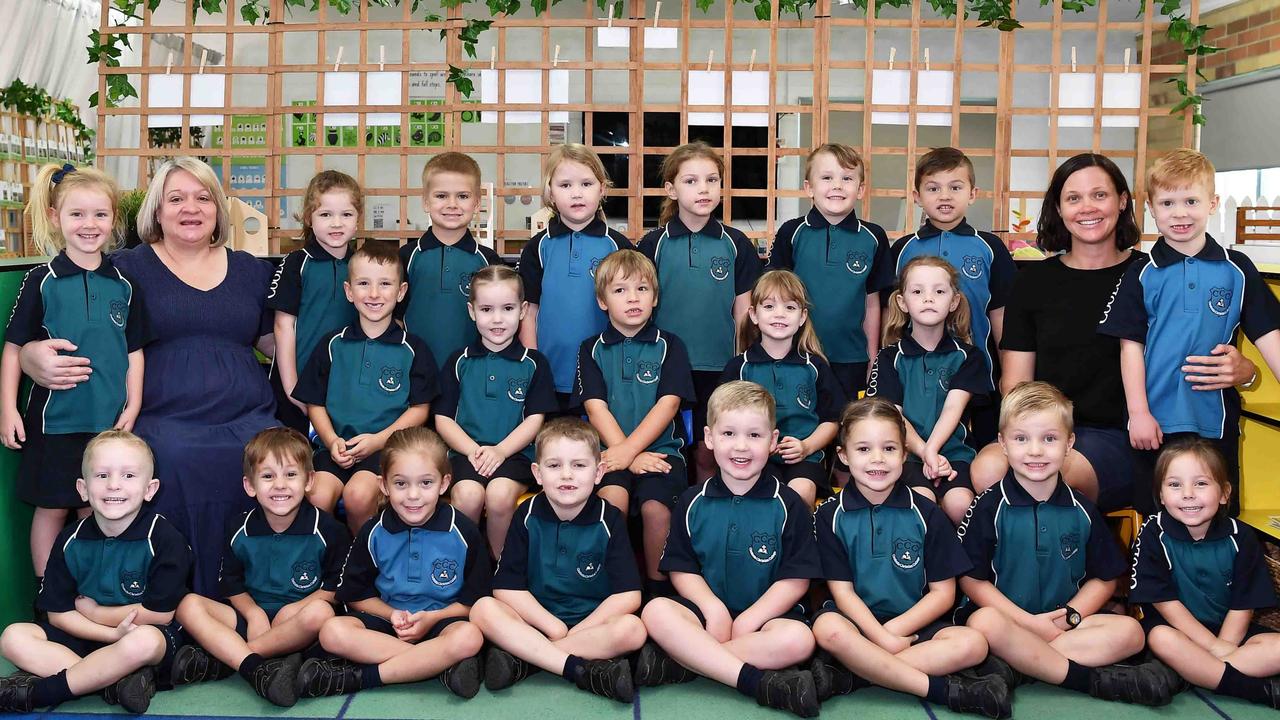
{"points": [[1121, 90], [208, 91], [706, 87], [933, 87], [615, 37], [524, 87], [661, 38], [341, 88], [164, 91], [383, 88], [890, 87], [750, 87]]}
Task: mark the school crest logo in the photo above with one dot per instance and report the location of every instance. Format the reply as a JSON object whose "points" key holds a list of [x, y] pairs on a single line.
{"points": [[595, 263], [720, 267], [804, 396], [856, 262], [116, 313], [464, 283], [305, 575], [906, 553], [588, 565], [516, 389], [1069, 544], [133, 583], [444, 572], [391, 379], [971, 267], [648, 371], [764, 547], [1219, 301], [944, 378]]}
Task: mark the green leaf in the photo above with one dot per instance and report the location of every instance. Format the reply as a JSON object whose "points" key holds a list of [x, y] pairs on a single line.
{"points": [[249, 13], [763, 10], [704, 5], [458, 78]]}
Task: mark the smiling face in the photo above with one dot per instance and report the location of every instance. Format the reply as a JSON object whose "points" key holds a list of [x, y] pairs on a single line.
{"points": [[568, 471], [927, 296], [629, 302], [188, 213], [85, 216], [1036, 444], [873, 450], [834, 189], [119, 481], [1090, 206], [451, 199], [741, 441], [696, 190], [413, 486], [279, 485], [374, 288], [946, 196], [778, 319], [576, 193], [334, 221], [497, 311], [1182, 214], [1190, 493]]}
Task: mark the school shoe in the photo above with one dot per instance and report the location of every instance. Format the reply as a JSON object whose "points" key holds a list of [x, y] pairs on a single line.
{"points": [[133, 692], [655, 667], [1139, 684], [607, 678], [997, 667], [1173, 681], [502, 669], [463, 679], [1271, 686], [320, 678], [275, 680], [193, 664], [790, 690], [15, 692], [831, 677], [987, 695]]}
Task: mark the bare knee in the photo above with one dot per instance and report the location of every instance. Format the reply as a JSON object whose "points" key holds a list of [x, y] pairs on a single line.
{"points": [[143, 646], [971, 644], [334, 634], [501, 496], [361, 494], [616, 496], [484, 610], [831, 630], [468, 497], [314, 615], [463, 640], [989, 621], [792, 644], [658, 614], [16, 637], [1128, 635], [629, 632], [988, 467]]}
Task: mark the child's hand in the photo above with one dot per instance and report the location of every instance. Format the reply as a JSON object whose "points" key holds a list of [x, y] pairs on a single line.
{"points": [[416, 629], [650, 462], [258, 625], [338, 451], [400, 619], [792, 450], [1145, 432], [1046, 626], [617, 458], [742, 626], [12, 432], [937, 467], [127, 419], [719, 623], [894, 643], [1221, 648], [486, 460], [558, 631], [363, 445], [126, 625]]}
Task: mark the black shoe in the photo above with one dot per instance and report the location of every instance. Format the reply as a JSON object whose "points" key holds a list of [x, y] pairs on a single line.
{"points": [[831, 677], [463, 679], [987, 695], [1271, 686], [655, 667], [790, 690], [1140, 684], [502, 669], [997, 667], [193, 664], [133, 692], [275, 680], [15, 692], [607, 678], [1172, 680], [320, 678]]}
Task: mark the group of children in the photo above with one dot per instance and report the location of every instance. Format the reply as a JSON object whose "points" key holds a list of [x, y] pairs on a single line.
{"points": [[628, 338]]}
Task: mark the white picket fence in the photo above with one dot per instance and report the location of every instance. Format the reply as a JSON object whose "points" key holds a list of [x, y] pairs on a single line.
{"points": [[1223, 223]]}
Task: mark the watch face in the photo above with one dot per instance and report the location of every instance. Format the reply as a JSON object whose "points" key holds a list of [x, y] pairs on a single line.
{"points": [[1073, 618]]}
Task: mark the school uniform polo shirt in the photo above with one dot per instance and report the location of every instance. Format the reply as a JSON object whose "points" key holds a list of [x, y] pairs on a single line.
{"points": [[99, 312], [840, 264], [1221, 572], [308, 286], [439, 278], [148, 563], [365, 383], [1038, 553], [741, 544], [699, 276], [631, 374], [985, 267], [442, 562], [918, 380], [278, 568], [1178, 306], [570, 566], [891, 551], [806, 392], [489, 393], [558, 267]]}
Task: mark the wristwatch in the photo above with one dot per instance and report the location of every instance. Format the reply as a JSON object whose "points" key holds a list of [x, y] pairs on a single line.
{"points": [[1252, 380], [1073, 616]]}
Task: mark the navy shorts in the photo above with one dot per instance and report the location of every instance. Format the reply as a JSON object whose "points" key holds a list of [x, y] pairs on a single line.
{"points": [[852, 378], [172, 633], [517, 468], [797, 613], [913, 476], [924, 634], [377, 624], [705, 382], [1115, 463], [662, 487], [323, 462], [242, 625], [811, 471]]}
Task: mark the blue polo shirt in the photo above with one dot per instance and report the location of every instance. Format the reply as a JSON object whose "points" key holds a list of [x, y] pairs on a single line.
{"points": [[308, 286], [570, 566], [278, 568], [365, 383], [1221, 572], [891, 551], [699, 276], [439, 277], [1071, 543], [97, 310], [918, 381], [741, 544], [841, 264], [148, 563], [490, 393], [803, 387], [1178, 306], [428, 567], [985, 267], [558, 267], [631, 374]]}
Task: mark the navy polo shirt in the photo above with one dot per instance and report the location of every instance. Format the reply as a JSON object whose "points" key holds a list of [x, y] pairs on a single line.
{"points": [[439, 278], [558, 267], [841, 264], [570, 566], [631, 374], [148, 563], [1071, 543], [308, 286], [97, 310], [1221, 572], [741, 544], [365, 383], [985, 267], [278, 568], [699, 276], [918, 381], [442, 562], [1179, 306], [490, 393], [891, 551], [803, 387]]}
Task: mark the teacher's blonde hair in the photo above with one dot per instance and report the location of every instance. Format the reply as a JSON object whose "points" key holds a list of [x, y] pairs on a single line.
{"points": [[149, 215]]}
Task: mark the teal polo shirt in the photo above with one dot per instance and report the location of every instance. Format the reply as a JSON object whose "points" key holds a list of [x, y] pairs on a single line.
{"points": [[741, 544], [97, 310], [278, 568], [804, 389], [699, 276], [891, 551], [631, 374], [439, 277], [309, 286], [490, 393], [570, 566], [841, 264], [365, 383]]}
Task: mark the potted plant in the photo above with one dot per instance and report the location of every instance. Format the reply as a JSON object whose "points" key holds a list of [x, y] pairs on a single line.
{"points": [[130, 204]]}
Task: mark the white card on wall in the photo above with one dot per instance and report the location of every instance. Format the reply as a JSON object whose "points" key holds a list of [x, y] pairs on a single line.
{"points": [[208, 91], [890, 87], [559, 90], [661, 38], [164, 91], [1121, 90], [750, 87], [1075, 91], [341, 88], [524, 87], [934, 87], [706, 87], [382, 88], [615, 37]]}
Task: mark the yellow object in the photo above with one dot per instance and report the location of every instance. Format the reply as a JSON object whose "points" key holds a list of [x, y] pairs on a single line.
{"points": [[1260, 441]]}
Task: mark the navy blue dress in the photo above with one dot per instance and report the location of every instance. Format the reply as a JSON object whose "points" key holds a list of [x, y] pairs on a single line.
{"points": [[204, 395]]}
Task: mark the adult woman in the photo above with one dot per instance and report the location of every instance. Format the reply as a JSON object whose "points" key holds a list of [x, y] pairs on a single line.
{"points": [[1050, 330], [204, 393]]}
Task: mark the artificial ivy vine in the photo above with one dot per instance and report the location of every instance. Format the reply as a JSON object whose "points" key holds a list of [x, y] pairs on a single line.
{"points": [[34, 101]]}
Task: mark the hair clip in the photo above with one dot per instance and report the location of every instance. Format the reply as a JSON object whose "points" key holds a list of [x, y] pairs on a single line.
{"points": [[61, 174]]}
